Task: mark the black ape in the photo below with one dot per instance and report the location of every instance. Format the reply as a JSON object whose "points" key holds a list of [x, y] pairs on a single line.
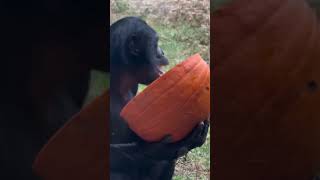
{"points": [[136, 58], [49, 48]]}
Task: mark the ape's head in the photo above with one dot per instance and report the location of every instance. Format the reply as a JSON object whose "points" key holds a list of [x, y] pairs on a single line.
{"points": [[134, 47]]}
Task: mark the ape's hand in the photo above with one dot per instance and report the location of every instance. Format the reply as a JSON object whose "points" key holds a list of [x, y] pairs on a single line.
{"points": [[165, 150]]}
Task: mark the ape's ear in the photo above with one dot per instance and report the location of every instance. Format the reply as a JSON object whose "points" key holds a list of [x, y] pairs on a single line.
{"points": [[133, 44]]}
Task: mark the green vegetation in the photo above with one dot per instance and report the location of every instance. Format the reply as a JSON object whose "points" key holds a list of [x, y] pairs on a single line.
{"points": [[195, 165], [98, 84], [120, 6]]}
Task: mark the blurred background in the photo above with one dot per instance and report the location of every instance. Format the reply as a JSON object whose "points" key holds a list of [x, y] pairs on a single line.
{"points": [[183, 28]]}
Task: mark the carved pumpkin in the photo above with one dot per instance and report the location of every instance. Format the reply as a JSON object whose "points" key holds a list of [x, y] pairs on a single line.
{"points": [[173, 104], [79, 150], [266, 111]]}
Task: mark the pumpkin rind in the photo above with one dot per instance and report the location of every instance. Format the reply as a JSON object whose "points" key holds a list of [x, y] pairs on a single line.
{"points": [[173, 104]]}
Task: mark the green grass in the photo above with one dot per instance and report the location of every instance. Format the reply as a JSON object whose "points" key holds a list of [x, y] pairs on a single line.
{"points": [[121, 6], [196, 164], [182, 40]]}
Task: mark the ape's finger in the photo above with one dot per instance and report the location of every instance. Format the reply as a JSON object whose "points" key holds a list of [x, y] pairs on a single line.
{"points": [[206, 122], [183, 151], [205, 129], [196, 131]]}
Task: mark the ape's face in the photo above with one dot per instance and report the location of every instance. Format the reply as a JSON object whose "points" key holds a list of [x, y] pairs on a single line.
{"points": [[134, 47], [151, 59]]}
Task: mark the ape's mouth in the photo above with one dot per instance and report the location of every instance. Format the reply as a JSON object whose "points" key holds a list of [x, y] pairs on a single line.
{"points": [[160, 70], [156, 72]]}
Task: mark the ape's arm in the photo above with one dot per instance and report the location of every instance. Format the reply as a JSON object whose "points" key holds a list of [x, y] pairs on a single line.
{"points": [[165, 150], [133, 153]]}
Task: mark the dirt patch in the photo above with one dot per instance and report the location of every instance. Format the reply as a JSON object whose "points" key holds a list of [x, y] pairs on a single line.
{"points": [[196, 12]]}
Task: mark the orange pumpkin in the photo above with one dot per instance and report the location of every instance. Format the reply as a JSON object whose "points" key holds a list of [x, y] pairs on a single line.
{"points": [[266, 111], [173, 104], [79, 150]]}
